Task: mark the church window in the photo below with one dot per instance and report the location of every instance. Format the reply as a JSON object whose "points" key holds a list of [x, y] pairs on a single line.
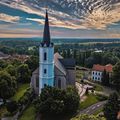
{"points": [[37, 81], [45, 56], [59, 83], [45, 85], [45, 71]]}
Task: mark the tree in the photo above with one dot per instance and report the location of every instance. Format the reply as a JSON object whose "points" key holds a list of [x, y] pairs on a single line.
{"points": [[11, 70], [116, 76], [24, 73], [3, 64], [12, 106], [7, 85], [105, 78], [33, 63], [71, 100], [111, 108], [54, 101], [109, 58]]}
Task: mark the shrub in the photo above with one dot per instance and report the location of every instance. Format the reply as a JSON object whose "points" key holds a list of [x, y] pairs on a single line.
{"points": [[12, 107]]}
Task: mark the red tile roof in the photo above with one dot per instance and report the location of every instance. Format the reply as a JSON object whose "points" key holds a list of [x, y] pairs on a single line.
{"points": [[101, 68]]}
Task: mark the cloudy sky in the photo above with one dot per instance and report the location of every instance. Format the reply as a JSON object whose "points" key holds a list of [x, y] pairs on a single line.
{"points": [[68, 18]]}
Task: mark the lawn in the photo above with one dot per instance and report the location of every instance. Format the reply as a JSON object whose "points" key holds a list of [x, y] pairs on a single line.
{"points": [[28, 114], [98, 87], [90, 100], [20, 92]]}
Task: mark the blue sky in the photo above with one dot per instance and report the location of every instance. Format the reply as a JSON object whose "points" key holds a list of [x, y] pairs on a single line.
{"points": [[19, 19]]}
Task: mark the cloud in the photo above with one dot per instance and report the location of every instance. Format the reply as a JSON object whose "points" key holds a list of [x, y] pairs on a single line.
{"points": [[100, 18], [8, 18]]}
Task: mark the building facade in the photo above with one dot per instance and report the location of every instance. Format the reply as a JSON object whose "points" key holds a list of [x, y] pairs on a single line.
{"points": [[97, 71], [53, 69]]}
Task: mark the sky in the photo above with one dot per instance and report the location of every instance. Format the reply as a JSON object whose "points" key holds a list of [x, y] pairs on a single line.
{"points": [[20, 19]]}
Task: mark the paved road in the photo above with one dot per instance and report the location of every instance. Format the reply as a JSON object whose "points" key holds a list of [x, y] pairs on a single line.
{"points": [[92, 109]]}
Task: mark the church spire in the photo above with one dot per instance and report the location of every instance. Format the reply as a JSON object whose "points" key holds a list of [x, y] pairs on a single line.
{"points": [[46, 35]]}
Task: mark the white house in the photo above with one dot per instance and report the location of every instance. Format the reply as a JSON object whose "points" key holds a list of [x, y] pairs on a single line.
{"points": [[97, 71]]}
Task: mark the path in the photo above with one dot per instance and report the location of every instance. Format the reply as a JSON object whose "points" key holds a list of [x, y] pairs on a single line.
{"points": [[93, 108]]}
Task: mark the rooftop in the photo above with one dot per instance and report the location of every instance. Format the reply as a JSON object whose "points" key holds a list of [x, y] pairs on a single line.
{"points": [[101, 68]]}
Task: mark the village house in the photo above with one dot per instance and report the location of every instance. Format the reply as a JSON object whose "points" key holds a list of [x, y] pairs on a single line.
{"points": [[97, 71]]}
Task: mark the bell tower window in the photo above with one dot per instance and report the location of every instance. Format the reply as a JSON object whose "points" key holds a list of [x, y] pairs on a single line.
{"points": [[45, 71], [45, 56]]}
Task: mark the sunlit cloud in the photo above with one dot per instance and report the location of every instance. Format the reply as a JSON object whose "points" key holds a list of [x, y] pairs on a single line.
{"points": [[62, 23], [8, 18], [100, 18]]}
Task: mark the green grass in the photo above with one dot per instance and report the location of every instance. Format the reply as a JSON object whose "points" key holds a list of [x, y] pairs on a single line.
{"points": [[29, 113], [20, 92], [90, 100], [98, 111], [98, 87], [79, 74]]}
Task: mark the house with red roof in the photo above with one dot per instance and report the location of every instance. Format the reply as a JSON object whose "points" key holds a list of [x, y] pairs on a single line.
{"points": [[97, 71]]}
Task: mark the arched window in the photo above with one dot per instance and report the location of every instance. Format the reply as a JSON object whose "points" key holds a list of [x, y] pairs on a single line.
{"points": [[59, 83], [45, 56]]}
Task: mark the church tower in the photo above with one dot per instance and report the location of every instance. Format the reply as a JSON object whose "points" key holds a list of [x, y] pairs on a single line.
{"points": [[46, 58]]}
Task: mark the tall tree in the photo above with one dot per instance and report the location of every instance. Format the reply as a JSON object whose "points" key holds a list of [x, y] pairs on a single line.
{"points": [[11, 70], [116, 76], [24, 73], [33, 62], [7, 85], [111, 108]]}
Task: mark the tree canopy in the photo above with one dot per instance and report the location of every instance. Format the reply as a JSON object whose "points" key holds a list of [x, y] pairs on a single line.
{"points": [[7, 85], [116, 76], [54, 101], [111, 108]]}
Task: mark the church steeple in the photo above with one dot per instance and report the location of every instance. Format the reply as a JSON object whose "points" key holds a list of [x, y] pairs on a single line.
{"points": [[46, 35], [46, 58]]}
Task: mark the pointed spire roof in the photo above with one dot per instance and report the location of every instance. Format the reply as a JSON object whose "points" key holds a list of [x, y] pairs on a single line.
{"points": [[46, 35]]}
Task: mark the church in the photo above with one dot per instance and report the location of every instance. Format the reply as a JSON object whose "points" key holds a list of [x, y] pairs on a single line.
{"points": [[53, 69]]}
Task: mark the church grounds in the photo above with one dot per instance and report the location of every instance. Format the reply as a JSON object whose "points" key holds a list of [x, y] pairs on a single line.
{"points": [[20, 92], [29, 113]]}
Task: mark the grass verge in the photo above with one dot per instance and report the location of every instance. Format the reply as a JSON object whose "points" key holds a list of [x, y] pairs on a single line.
{"points": [[90, 100], [29, 113], [20, 92]]}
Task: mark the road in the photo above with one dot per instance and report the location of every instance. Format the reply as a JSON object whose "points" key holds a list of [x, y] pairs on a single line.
{"points": [[92, 109]]}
